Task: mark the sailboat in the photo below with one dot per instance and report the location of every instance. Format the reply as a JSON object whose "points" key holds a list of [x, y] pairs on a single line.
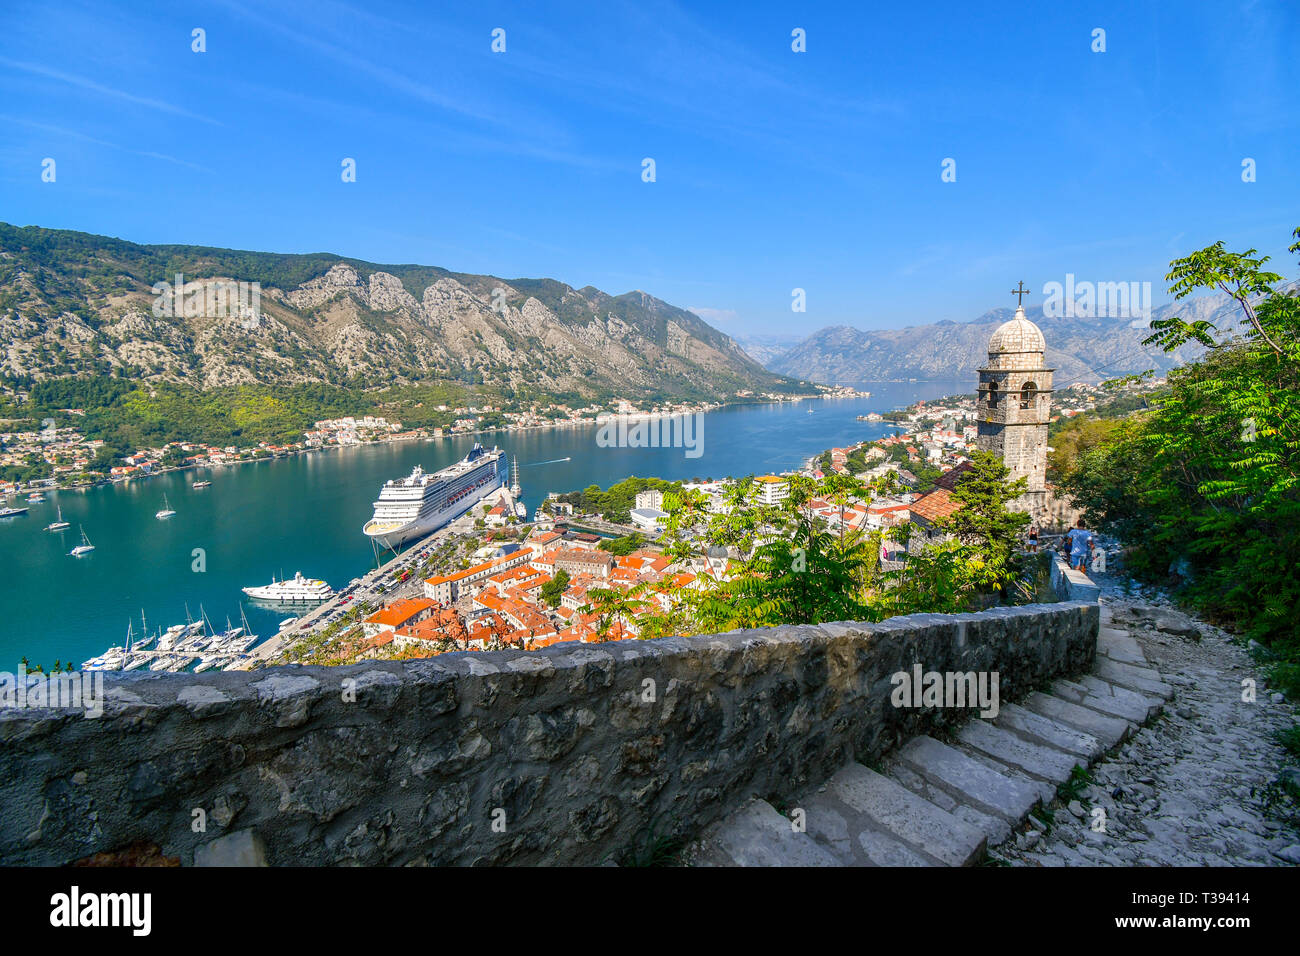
{"points": [[58, 525], [515, 491], [148, 638], [85, 547], [166, 511]]}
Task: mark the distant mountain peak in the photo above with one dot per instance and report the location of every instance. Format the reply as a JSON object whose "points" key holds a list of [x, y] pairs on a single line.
{"points": [[1082, 349]]}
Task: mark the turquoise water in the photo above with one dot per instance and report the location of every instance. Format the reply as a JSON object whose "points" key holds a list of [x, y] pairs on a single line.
{"points": [[305, 514]]}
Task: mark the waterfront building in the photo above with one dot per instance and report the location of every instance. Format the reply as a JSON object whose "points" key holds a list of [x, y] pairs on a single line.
{"points": [[772, 490], [650, 498], [648, 519]]}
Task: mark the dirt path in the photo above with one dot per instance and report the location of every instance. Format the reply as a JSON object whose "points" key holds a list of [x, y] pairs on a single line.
{"points": [[1193, 787]]}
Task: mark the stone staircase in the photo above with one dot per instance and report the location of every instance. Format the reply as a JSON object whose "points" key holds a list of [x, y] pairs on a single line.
{"points": [[944, 804]]}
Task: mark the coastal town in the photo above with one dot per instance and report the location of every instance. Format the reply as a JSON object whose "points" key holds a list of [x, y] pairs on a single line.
{"points": [[581, 569], [493, 580]]}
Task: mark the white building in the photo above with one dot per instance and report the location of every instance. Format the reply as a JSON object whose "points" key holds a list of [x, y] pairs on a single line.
{"points": [[772, 490], [650, 498], [648, 518]]}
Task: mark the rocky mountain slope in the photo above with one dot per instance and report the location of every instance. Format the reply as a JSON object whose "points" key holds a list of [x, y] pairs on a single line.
{"points": [[74, 304], [1080, 349]]}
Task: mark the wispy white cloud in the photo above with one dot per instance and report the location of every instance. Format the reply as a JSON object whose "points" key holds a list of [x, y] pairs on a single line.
{"points": [[301, 32], [74, 134], [87, 84]]}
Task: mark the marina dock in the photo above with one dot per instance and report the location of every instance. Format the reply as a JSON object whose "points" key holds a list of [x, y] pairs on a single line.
{"points": [[366, 590]]}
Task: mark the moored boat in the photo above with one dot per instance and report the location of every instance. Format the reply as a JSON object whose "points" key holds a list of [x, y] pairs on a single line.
{"points": [[85, 547], [412, 507], [301, 590], [58, 525]]}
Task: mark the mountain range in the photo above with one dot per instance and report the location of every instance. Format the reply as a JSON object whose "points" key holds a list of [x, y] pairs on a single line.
{"points": [[1085, 350], [72, 303], [76, 304]]}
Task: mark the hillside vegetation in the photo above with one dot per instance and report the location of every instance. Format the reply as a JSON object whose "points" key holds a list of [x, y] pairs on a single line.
{"points": [[1204, 487], [73, 304]]}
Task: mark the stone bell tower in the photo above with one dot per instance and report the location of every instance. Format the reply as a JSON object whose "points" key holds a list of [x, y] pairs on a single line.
{"points": [[1014, 404]]}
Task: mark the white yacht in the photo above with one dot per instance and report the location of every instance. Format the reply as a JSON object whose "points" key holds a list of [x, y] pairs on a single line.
{"points": [[85, 547], [412, 507], [209, 661], [8, 512], [300, 590], [58, 525], [166, 510], [203, 483], [111, 660]]}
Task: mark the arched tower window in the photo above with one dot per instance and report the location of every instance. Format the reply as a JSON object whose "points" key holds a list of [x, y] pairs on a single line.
{"points": [[993, 394], [1027, 395]]}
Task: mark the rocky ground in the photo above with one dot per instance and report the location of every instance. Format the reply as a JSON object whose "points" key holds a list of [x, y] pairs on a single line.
{"points": [[1204, 784]]}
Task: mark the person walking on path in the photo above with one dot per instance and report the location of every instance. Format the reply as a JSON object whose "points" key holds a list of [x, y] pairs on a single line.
{"points": [[1082, 542]]}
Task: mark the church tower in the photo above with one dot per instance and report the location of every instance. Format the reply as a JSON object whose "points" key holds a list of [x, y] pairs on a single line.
{"points": [[1014, 404]]}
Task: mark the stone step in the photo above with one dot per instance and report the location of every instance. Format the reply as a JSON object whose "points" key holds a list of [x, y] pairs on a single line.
{"points": [[756, 835], [1108, 729], [877, 816], [995, 829], [852, 840], [1037, 760], [1043, 730], [1120, 646], [1130, 698], [968, 780], [1108, 704], [1144, 680]]}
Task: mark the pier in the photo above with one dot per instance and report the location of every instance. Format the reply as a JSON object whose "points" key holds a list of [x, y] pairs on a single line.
{"points": [[367, 589]]}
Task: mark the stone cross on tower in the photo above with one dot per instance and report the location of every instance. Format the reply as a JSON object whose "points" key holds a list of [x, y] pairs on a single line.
{"points": [[1015, 403]]}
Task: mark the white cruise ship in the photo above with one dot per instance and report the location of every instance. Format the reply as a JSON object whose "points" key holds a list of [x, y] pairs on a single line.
{"points": [[410, 508], [300, 590]]}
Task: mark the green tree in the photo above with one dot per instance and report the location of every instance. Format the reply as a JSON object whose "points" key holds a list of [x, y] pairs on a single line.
{"points": [[611, 606], [1205, 487], [984, 523], [553, 590]]}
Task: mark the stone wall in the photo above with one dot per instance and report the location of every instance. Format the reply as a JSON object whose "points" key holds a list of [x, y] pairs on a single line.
{"points": [[567, 755], [1071, 584]]}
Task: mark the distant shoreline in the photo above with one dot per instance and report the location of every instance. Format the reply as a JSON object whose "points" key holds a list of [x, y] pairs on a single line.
{"points": [[567, 423]]}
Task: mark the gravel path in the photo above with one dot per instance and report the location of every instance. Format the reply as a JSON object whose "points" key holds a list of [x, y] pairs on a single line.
{"points": [[1190, 788]]}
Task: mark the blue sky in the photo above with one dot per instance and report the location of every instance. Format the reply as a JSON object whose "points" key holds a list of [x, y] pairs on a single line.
{"points": [[775, 169]]}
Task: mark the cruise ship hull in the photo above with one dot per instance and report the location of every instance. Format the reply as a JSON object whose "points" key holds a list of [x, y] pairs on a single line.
{"points": [[392, 532], [394, 537]]}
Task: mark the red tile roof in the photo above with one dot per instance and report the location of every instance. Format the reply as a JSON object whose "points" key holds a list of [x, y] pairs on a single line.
{"points": [[935, 506]]}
